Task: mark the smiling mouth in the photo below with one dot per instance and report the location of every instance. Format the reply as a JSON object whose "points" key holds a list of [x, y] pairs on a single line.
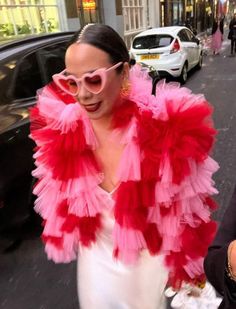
{"points": [[91, 108]]}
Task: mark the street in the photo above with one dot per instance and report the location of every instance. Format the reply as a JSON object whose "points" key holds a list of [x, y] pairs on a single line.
{"points": [[29, 281]]}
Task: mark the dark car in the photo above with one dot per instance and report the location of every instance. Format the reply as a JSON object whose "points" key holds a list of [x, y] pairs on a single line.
{"points": [[25, 66]]}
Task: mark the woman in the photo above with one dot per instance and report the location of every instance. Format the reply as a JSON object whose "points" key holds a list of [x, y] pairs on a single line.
{"points": [[217, 35], [220, 262], [124, 177], [232, 34]]}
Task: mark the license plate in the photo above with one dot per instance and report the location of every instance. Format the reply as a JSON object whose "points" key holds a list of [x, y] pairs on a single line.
{"points": [[149, 57]]}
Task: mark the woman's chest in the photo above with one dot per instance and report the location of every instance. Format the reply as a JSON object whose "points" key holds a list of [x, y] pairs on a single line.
{"points": [[108, 155]]}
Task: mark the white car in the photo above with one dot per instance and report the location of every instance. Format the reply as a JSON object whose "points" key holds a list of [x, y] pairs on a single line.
{"points": [[171, 51]]}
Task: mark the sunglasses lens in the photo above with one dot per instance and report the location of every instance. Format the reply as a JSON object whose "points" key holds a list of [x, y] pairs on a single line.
{"points": [[68, 85], [72, 86], [94, 83]]}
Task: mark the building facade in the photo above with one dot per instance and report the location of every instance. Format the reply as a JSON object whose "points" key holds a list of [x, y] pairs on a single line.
{"points": [[127, 17], [198, 14]]}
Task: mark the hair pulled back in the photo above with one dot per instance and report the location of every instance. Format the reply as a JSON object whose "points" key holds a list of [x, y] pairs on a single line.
{"points": [[104, 38]]}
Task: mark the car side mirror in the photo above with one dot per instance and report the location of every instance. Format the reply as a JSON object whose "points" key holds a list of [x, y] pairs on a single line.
{"points": [[196, 40]]}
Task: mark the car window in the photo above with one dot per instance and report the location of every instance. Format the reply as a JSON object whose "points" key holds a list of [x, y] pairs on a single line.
{"points": [[27, 78], [21, 76], [183, 36], [6, 75], [191, 36], [152, 41], [51, 59]]}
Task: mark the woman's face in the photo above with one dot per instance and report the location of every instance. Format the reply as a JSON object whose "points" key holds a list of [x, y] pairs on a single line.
{"points": [[83, 58]]}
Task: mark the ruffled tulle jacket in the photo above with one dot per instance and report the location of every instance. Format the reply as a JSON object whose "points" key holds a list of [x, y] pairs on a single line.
{"points": [[162, 203]]}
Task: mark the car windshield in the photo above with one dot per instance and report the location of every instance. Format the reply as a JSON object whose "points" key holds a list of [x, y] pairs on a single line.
{"points": [[152, 41]]}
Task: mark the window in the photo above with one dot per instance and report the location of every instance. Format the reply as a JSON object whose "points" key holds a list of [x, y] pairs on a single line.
{"points": [[152, 41], [6, 75], [19, 78], [136, 18], [23, 17], [183, 36], [51, 59], [27, 78], [191, 36], [22, 76]]}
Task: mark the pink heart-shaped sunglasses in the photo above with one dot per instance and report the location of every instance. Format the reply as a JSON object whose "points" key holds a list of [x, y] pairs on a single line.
{"points": [[93, 82]]}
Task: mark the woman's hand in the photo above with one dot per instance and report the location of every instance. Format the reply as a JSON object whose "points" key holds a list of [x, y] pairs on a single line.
{"points": [[232, 257], [185, 298]]}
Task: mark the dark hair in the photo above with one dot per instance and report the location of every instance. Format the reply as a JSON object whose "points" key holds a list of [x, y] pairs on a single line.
{"points": [[104, 38]]}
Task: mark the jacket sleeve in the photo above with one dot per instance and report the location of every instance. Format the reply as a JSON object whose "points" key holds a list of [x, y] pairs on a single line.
{"points": [[216, 259], [186, 170], [53, 120]]}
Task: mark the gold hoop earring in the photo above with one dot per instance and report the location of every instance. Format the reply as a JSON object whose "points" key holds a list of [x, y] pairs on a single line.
{"points": [[125, 89]]}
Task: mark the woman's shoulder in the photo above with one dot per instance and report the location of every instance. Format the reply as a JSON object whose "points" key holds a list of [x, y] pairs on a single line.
{"points": [[172, 101], [179, 117]]}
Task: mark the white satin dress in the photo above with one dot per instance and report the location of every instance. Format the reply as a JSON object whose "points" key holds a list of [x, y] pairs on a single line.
{"points": [[105, 283]]}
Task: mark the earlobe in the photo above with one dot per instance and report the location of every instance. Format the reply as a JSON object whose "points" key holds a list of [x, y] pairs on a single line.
{"points": [[125, 72], [125, 87]]}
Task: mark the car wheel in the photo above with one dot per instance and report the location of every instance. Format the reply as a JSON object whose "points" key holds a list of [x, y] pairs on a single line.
{"points": [[184, 74], [199, 65]]}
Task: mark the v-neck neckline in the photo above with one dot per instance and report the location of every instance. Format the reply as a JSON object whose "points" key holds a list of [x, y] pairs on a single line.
{"points": [[125, 141], [117, 167], [112, 191]]}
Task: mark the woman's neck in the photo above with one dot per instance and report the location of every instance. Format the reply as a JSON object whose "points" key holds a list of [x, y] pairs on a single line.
{"points": [[102, 126]]}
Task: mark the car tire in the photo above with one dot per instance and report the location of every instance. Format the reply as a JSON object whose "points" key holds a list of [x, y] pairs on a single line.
{"points": [[199, 65], [184, 74]]}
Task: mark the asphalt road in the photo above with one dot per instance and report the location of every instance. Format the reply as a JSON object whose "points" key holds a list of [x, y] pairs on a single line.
{"points": [[29, 281]]}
